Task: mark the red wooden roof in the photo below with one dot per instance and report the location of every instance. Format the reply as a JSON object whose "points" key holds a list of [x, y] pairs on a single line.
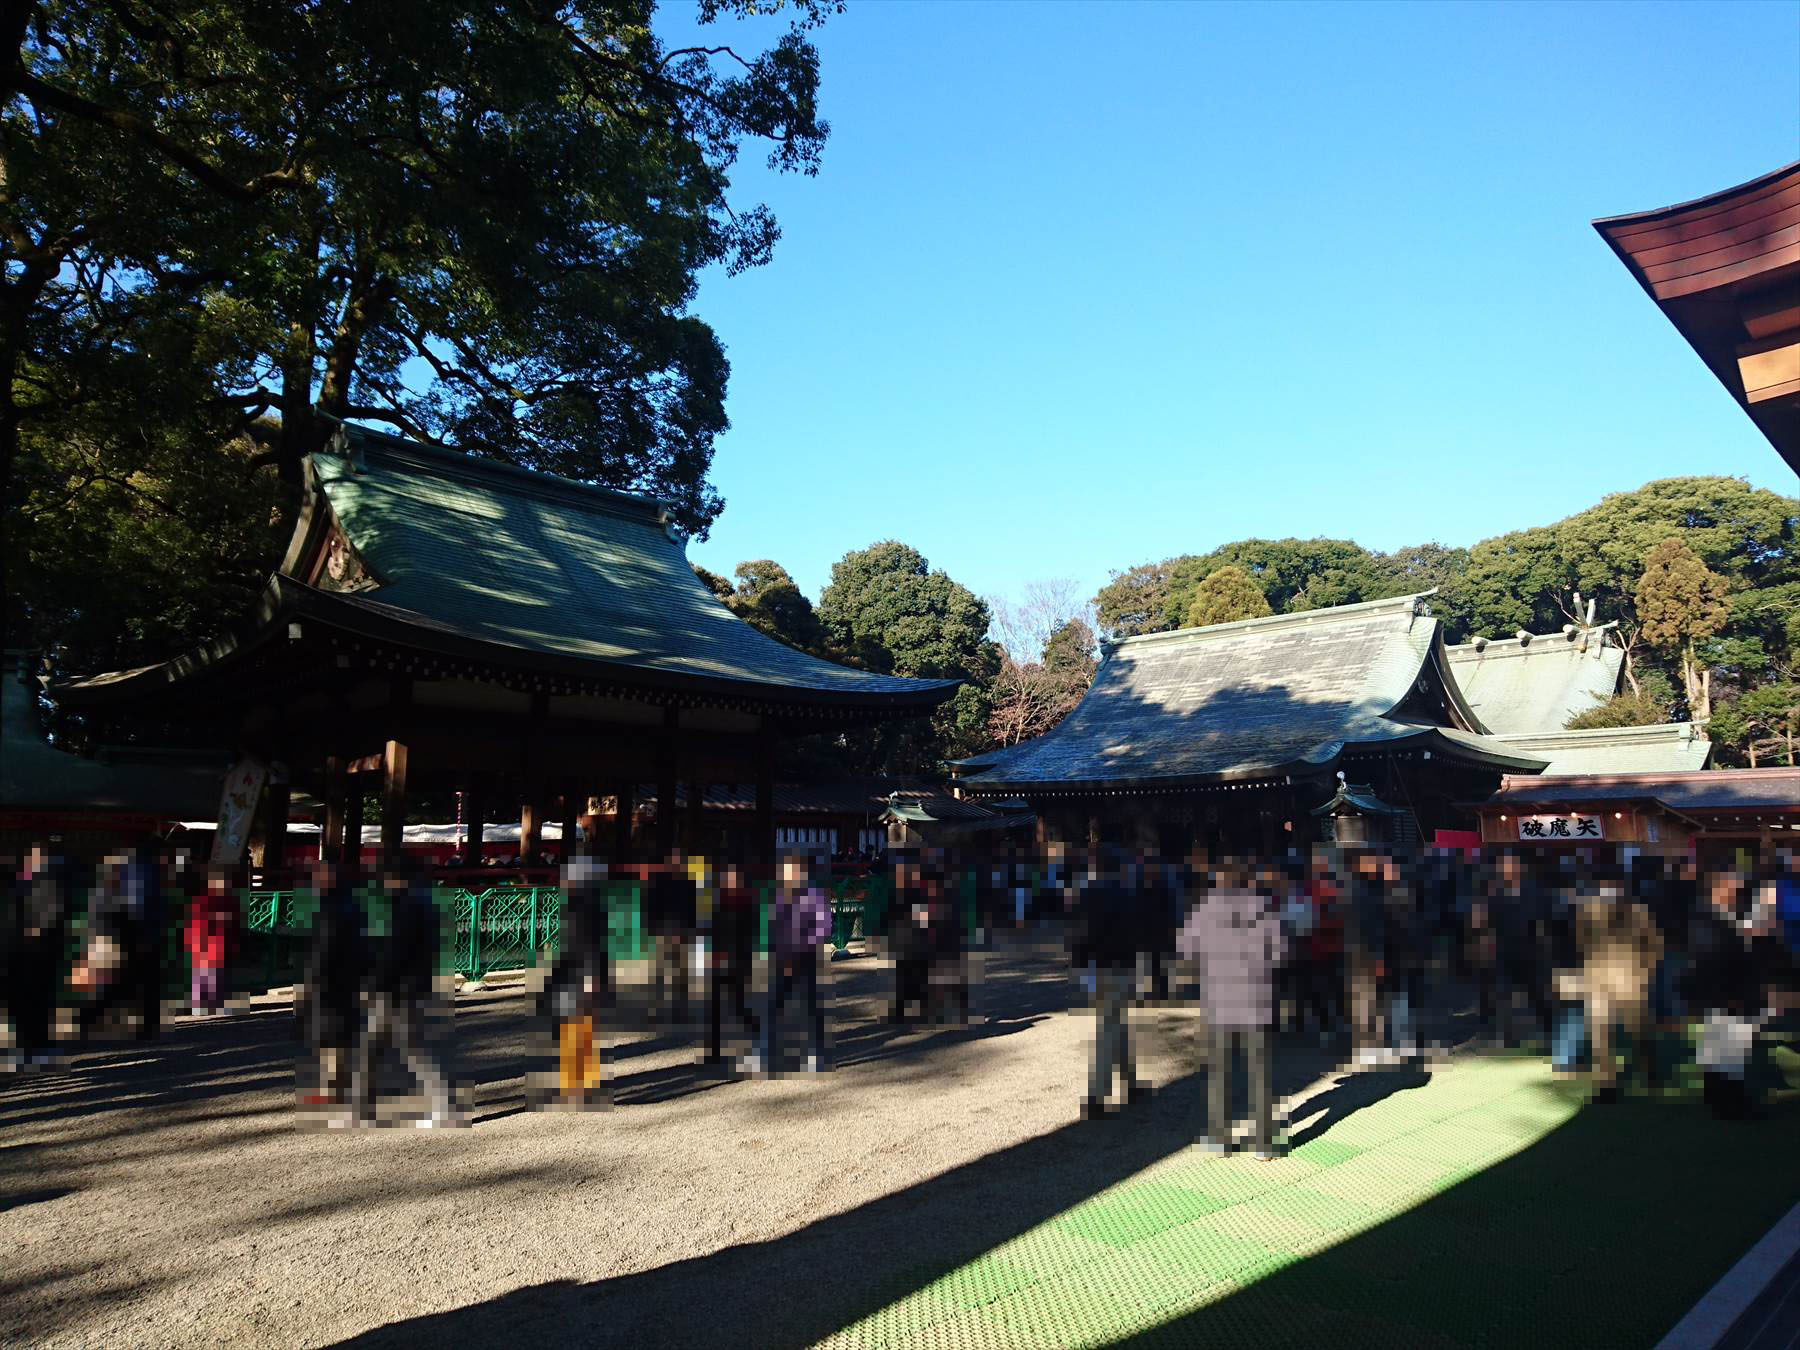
{"points": [[1725, 269]]}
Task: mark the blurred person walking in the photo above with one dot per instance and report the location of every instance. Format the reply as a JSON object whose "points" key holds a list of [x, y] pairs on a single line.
{"points": [[580, 981], [1235, 935], [36, 945], [1365, 949], [123, 965], [401, 990], [1105, 936], [731, 957], [1619, 946], [1408, 931], [799, 925], [328, 1001], [211, 937], [1725, 983], [671, 914]]}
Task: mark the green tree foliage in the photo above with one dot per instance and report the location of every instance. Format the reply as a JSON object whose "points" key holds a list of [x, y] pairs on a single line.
{"points": [[1530, 578], [1071, 648], [1760, 723], [1293, 574], [478, 223], [1680, 603], [1542, 578], [718, 585], [1224, 596], [766, 597], [885, 606], [1651, 703]]}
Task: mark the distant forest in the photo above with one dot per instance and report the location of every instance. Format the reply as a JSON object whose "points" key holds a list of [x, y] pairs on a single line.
{"points": [[1700, 576]]}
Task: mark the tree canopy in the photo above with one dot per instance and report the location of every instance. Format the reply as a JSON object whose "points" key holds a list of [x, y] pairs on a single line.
{"points": [[1544, 577], [481, 224], [1226, 595]]}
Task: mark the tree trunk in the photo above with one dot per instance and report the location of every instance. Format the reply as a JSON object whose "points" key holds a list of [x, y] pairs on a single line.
{"points": [[1625, 645]]}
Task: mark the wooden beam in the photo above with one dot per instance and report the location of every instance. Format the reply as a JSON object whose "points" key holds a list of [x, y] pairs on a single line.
{"points": [[571, 814], [622, 822], [277, 797], [1770, 368], [696, 817], [353, 823], [666, 785], [531, 806], [762, 829], [393, 801], [475, 806], [332, 846]]}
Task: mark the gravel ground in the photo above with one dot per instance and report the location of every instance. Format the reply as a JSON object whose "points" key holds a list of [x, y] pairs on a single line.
{"points": [[164, 1195]]}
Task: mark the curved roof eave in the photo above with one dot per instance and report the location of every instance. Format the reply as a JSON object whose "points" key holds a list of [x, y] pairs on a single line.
{"points": [[286, 599]]}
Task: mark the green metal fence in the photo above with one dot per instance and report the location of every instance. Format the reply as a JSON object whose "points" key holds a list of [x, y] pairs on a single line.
{"points": [[513, 927]]}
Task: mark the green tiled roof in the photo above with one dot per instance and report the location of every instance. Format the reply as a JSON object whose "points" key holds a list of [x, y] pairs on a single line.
{"points": [[1260, 696], [546, 565], [1536, 684]]}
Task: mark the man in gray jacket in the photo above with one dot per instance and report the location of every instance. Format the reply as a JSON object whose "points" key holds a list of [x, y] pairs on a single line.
{"points": [[1235, 936]]}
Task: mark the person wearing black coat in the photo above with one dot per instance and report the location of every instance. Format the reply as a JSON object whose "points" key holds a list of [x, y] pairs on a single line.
{"points": [[909, 941], [1365, 951], [670, 916], [126, 913], [37, 938], [328, 1001], [731, 956], [402, 979], [580, 982], [1409, 934], [1111, 925]]}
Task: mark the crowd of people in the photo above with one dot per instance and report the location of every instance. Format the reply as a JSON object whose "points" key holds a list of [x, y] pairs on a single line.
{"points": [[1622, 962]]}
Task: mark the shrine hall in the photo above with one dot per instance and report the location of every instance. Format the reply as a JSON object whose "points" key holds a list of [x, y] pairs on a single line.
{"points": [[451, 622]]}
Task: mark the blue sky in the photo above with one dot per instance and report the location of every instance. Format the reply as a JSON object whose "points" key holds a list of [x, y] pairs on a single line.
{"points": [[1084, 286]]}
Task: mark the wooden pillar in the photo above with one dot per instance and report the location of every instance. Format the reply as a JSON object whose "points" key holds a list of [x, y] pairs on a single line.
{"points": [[332, 844], [393, 801], [666, 785], [762, 827], [353, 820], [531, 782], [475, 806], [695, 842], [276, 796], [624, 795], [571, 813]]}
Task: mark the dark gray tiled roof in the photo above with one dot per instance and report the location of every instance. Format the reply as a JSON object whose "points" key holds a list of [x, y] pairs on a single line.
{"points": [[1238, 698], [1707, 790]]}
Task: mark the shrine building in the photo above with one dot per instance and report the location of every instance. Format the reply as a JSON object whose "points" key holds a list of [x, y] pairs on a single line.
{"points": [[1335, 724], [455, 623]]}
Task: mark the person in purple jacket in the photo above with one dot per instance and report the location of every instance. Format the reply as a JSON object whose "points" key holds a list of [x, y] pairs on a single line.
{"points": [[799, 924], [1235, 936]]}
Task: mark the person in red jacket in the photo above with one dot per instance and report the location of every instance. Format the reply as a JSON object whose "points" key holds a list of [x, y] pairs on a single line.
{"points": [[211, 935]]}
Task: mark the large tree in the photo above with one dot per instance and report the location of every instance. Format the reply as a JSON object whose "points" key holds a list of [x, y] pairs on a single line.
{"points": [[1681, 603], [1226, 595], [477, 223], [885, 606], [766, 597]]}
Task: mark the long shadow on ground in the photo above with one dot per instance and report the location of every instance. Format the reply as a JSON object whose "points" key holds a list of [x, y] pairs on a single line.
{"points": [[797, 1289], [1602, 1233]]}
